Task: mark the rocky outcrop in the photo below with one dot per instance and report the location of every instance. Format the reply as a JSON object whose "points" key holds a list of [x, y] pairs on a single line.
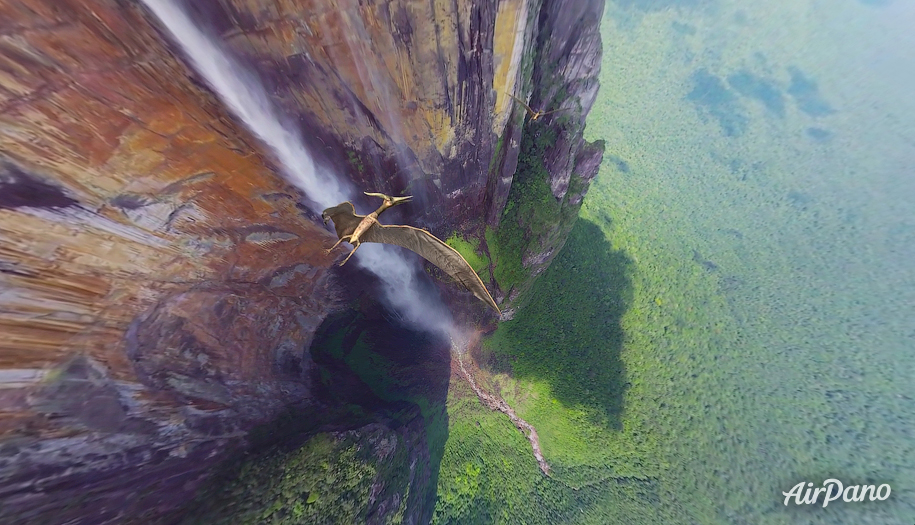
{"points": [[551, 149], [379, 464], [566, 76], [160, 284]]}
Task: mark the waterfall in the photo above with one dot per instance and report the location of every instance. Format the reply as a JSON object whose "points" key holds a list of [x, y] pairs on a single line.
{"points": [[243, 93]]}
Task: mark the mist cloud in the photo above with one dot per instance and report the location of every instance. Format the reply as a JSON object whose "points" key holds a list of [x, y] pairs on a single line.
{"points": [[243, 93]]}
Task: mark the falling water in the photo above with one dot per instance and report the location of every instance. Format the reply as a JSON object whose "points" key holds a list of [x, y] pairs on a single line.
{"points": [[243, 93]]}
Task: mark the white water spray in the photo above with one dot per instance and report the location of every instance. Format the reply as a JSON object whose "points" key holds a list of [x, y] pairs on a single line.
{"points": [[245, 96]]}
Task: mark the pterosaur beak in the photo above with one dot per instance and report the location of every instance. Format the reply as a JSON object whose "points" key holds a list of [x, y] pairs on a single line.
{"points": [[401, 200], [393, 200]]}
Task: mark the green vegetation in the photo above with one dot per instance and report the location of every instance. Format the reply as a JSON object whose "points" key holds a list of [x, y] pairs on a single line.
{"points": [[490, 476], [533, 222], [712, 97], [762, 89], [485, 460], [326, 480], [533, 219], [806, 92], [728, 317], [355, 161], [497, 154], [508, 267], [470, 251], [558, 362], [391, 401], [583, 295], [745, 339]]}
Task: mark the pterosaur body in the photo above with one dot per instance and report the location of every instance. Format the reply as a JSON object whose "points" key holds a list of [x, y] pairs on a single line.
{"points": [[357, 229], [534, 114]]}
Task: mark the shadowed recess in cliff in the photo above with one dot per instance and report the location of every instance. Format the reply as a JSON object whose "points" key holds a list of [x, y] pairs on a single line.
{"points": [[19, 189], [401, 368], [367, 451], [241, 90]]}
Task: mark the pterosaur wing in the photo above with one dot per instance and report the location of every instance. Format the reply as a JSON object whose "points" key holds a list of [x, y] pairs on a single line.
{"points": [[554, 111], [434, 250], [344, 217], [523, 103]]}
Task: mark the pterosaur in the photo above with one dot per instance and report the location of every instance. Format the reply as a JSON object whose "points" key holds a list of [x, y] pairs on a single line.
{"points": [[357, 229], [534, 114]]}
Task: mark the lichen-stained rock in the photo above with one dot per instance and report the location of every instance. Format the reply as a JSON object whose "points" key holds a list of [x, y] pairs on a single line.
{"points": [[416, 92], [552, 148], [159, 285], [159, 282], [407, 86]]}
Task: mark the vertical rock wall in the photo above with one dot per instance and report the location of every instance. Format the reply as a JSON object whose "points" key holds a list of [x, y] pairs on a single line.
{"points": [[159, 285], [159, 282]]}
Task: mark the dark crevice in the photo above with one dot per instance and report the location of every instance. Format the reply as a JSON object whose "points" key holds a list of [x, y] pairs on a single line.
{"points": [[19, 189]]}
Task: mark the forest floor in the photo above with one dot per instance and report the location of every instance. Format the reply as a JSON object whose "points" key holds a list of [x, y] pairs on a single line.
{"points": [[467, 369]]}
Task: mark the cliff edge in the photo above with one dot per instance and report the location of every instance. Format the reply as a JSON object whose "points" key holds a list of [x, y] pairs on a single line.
{"points": [[161, 283]]}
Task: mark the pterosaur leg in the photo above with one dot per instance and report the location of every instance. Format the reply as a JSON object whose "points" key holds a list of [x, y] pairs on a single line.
{"points": [[345, 237], [351, 254]]}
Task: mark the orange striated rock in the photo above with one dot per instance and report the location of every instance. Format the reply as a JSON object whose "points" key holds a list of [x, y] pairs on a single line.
{"points": [[416, 90], [160, 283], [149, 259]]}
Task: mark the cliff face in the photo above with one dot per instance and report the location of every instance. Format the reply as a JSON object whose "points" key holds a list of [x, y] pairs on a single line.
{"points": [[160, 284], [413, 97], [547, 166]]}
